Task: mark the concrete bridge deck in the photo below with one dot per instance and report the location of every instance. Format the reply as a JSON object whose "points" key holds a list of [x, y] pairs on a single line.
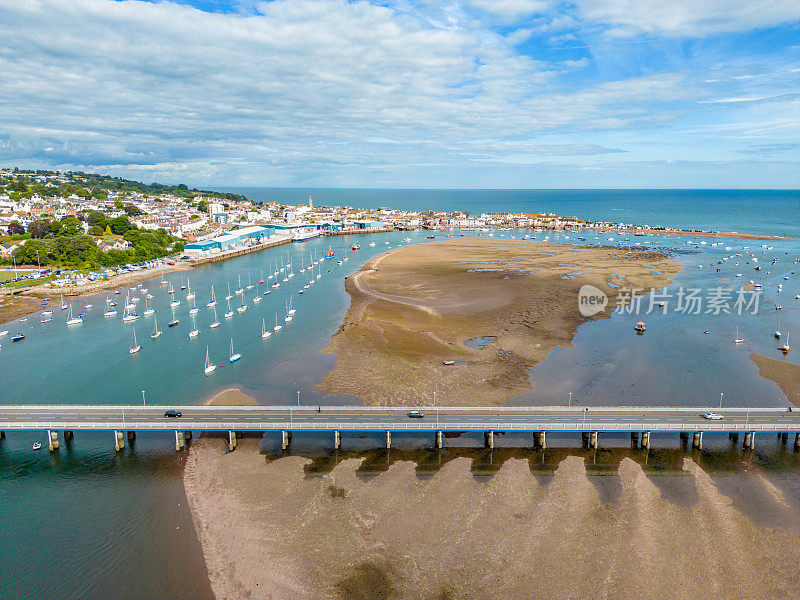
{"points": [[590, 421]]}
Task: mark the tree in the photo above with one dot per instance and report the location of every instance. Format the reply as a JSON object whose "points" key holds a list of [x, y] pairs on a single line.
{"points": [[15, 227], [117, 204], [132, 210], [120, 225], [97, 218], [55, 227], [95, 230], [27, 253], [70, 226], [202, 206], [39, 228], [108, 230]]}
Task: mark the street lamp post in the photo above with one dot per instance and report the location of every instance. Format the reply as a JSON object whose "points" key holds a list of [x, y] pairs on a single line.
{"points": [[298, 397], [144, 403], [720, 399], [570, 399]]}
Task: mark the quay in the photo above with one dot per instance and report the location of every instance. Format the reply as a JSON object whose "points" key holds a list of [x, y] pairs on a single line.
{"points": [[590, 422], [358, 231]]}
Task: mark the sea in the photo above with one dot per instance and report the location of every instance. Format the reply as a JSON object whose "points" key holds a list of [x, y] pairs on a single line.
{"points": [[89, 522]]}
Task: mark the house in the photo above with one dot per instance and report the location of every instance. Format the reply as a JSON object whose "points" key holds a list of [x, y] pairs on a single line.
{"points": [[113, 245]]}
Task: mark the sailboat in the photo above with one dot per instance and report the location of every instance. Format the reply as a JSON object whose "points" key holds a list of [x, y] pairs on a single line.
{"points": [[291, 310], [195, 331], [63, 306], [215, 324], [264, 333], [277, 327], [257, 297], [778, 330], [302, 266], [175, 303], [110, 312], [249, 284], [128, 316], [71, 320], [229, 296], [136, 347], [239, 290], [190, 294], [229, 314], [156, 331], [213, 301], [194, 310], [209, 366], [738, 340], [147, 310], [785, 348], [171, 289], [288, 318], [174, 320], [234, 357], [261, 281]]}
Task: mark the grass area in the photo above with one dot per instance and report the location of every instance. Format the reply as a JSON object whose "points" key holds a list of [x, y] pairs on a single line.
{"points": [[6, 275]]}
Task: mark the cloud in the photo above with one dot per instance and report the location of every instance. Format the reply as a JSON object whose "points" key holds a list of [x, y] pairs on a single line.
{"points": [[687, 18], [769, 149], [512, 9]]}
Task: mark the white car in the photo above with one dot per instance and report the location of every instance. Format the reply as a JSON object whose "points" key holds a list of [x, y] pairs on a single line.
{"points": [[712, 416]]}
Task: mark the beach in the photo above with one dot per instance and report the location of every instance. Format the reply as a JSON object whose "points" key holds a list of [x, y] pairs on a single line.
{"points": [[414, 311], [270, 529], [781, 372]]}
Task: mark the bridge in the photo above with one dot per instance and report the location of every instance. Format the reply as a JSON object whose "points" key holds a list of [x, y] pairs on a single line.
{"points": [[590, 422]]}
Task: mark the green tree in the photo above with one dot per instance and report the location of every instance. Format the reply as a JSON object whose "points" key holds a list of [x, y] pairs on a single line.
{"points": [[108, 230], [96, 230], [132, 210], [97, 218], [70, 226], [15, 227], [39, 228], [118, 205], [120, 225], [202, 206]]}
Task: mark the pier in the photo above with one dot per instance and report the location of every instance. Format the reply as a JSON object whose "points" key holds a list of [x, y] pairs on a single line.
{"points": [[588, 422]]}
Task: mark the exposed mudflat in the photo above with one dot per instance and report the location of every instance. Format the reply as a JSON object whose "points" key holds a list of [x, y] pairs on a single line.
{"points": [[269, 529], [414, 308]]}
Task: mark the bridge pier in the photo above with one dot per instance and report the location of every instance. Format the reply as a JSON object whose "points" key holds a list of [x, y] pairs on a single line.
{"points": [[784, 438], [180, 441], [388, 439], [585, 438], [540, 439], [52, 440], [119, 440], [337, 440], [749, 440], [646, 440], [797, 441], [2, 434], [593, 440], [439, 439], [68, 435], [488, 439], [635, 439], [734, 437], [131, 435], [684, 437], [232, 441], [697, 440], [286, 439]]}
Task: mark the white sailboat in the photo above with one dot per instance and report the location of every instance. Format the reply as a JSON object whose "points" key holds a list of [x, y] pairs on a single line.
{"points": [[63, 306], [737, 340], [194, 310], [136, 347], [174, 320], [786, 348], [209, 366], [239, 290], [229, 314], [233, 357], [147, 310], [215, 323], [291, 310], [110, 312], [156, 331], [213, 302], [190, 294], [277, 327], [229, 296], [75, 320], [195, 331], [264, 333], [778, 330], [243, 307], [249, 284]]}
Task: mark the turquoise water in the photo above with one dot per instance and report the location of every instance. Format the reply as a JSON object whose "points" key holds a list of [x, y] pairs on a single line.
{"points": [[86, 522]]}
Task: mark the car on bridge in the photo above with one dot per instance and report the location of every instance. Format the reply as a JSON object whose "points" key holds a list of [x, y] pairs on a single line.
{"points": [[415, 414], [173, 413], [712, 416]]}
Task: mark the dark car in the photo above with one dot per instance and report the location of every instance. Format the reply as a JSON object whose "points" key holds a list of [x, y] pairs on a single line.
{"points": [[173, 413]]}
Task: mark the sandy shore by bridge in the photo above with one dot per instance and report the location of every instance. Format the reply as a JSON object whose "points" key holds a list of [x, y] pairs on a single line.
{"points": [[272, 530], [414, 309], [782, 372]]}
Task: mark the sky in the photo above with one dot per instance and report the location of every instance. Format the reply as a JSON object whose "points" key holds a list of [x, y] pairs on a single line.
{"points": [[406, 93]]}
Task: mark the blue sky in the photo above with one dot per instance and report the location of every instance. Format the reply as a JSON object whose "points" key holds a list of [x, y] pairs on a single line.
{"points": [[402, 93]]}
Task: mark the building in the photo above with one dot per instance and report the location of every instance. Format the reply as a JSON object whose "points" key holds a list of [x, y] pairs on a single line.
{"points": [[229, 242]]}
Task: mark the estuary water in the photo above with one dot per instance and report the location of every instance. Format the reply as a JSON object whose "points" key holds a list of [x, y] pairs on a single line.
{"points": [[89, 522]]}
